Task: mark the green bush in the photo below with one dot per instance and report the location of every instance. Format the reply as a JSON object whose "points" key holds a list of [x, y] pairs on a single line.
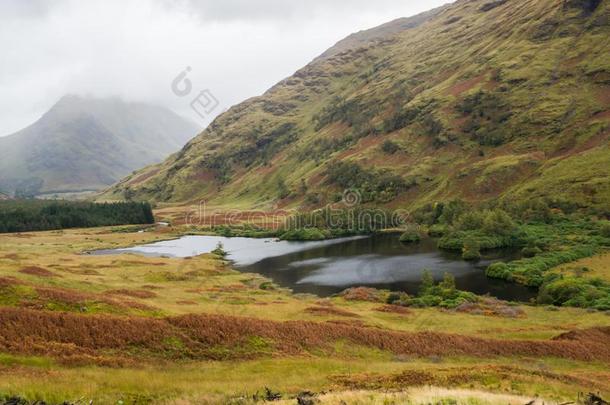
{"points": [[530, 251], [498, 222], [531, 271], [220, 250], [499, 270], [410, 236], [576, 292], [449, 213], [400, 119], [456, 240], [443, 294], [373, 185], [470, 221], [488, 113], [605, 229], [390, 147], [471, 249], [306, 234], [397, 298], [437, 230]]}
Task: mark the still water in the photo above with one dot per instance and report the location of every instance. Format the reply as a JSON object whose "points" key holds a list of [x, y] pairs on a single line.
{"points": [[328, 267]]}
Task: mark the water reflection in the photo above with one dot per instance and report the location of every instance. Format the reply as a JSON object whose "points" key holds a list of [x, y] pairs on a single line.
{"points": [[327, 267]]}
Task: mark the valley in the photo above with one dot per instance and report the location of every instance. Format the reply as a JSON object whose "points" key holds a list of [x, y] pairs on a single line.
{"points": [[420, 215], [192, 328]]}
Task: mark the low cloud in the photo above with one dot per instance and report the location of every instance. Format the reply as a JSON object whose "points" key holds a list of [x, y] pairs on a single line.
{"points": [[134, 49]]}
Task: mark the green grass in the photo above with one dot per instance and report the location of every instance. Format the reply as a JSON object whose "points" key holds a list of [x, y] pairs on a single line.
{"points": [[214, 382]]}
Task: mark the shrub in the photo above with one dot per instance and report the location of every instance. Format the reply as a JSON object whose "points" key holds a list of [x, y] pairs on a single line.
{"points": [[432, 126], [576, 292], [437, 230], [605, 229], [306, 234], [451, 211], [400, 119], [498, 222], [219, 251], [410, 236], [427, 282], [397, 298], [390, 147], [531, 251], [471, 249], [499, 270], [470, 221], [374, 185], [530, 271], [282, 189], [443, 294], [488, 112], [338, 110]]}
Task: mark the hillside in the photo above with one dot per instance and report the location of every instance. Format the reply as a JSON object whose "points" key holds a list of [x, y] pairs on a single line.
{"points": [[87, 144], [477, 100]]}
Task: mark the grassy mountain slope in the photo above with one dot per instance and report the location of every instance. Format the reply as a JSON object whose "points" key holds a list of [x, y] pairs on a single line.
{"points": [[84, 144], [484, 99]]}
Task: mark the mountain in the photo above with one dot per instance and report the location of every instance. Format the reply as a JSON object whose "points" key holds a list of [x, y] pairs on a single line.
{"points": [[478, 100], [88, 144], [367, 37]]}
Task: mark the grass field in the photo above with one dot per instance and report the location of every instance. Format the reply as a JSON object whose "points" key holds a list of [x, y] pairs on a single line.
{"points": [[164, 330]]}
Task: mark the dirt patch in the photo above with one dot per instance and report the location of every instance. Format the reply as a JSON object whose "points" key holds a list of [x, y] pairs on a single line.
{"points": [[204, 176], [82, 272], [151, 287], [603, 95], [466, 85], [143, 177], [133, 293], [330, 311], [195, 291], [186, 302], [603, 115], [393, 309], [73, 334], [11, 256], [37, 271]]}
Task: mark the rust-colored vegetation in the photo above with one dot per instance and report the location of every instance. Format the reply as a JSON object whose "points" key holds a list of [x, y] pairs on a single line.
{"points": [[133, 293], [329, 311], [73, 335], [37, 271], [363, 294], [393, 309]]}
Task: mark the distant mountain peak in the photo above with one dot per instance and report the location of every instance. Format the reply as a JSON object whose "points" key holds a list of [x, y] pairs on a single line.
{"points": [[85, 142]]}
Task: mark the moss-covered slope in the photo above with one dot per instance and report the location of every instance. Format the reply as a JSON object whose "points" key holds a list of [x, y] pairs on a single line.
{"points": [[483, 99]]}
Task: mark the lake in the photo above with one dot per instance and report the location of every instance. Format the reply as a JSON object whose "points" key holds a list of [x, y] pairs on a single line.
{"points": [[328, 267]]}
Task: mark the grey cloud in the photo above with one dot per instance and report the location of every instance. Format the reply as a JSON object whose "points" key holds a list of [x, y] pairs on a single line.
{"points": [[135, 48], [282, 10]]}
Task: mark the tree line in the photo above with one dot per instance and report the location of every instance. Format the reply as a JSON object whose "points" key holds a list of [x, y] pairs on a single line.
{"points": [[41, 215]]}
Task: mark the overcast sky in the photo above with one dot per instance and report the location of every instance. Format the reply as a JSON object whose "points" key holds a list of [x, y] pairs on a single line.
{"points": [[135, 48]]}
